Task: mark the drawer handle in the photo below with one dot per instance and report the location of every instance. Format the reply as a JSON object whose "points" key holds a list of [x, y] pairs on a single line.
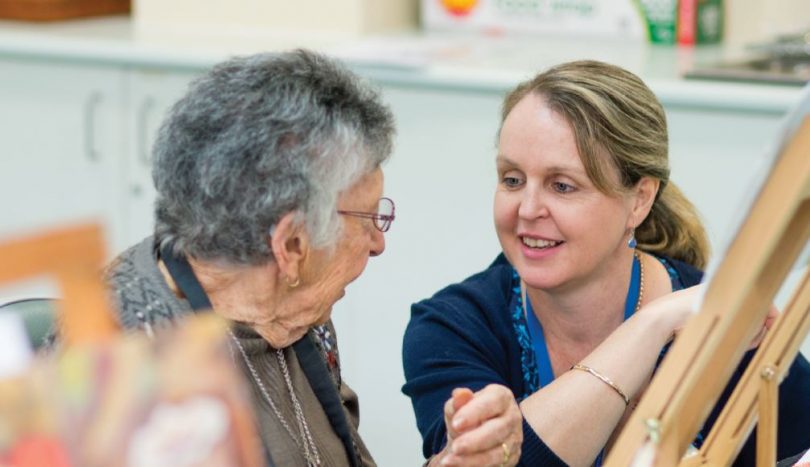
{"points": [[91, 105], [145, 109]]}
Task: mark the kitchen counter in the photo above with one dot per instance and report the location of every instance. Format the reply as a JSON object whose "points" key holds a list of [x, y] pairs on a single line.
{"points": [[478, 63]]}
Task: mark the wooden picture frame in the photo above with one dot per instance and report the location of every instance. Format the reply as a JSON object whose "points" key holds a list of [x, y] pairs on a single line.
{"points": [[74, 256], [738, 295]]}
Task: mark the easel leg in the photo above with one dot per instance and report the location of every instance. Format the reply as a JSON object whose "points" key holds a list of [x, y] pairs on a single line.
{"points": [[766, 429]]}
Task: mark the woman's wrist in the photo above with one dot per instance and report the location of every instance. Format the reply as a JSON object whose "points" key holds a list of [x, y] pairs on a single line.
{"points": [[662, 318]]}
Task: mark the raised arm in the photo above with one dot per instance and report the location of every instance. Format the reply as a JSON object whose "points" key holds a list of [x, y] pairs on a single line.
{"points": [[577, 413], [459, 340]]}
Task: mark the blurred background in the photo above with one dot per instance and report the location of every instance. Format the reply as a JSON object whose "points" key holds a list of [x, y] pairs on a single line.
{"points": [[84, 84]]}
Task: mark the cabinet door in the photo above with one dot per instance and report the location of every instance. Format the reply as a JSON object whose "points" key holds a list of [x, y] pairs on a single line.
{"points": [[152, 93], [61, 145]]}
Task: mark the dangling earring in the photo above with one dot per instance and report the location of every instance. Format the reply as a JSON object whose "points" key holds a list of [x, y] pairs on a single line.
{"points": [[292, 284], [632, 243]]}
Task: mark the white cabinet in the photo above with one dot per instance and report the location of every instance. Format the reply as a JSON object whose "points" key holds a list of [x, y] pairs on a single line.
{"points": [[151, 92], [76, 143], [61, 143]]}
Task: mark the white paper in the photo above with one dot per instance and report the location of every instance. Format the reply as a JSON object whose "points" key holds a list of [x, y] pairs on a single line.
{"points": [[17, 354], [645, 456], [789, 124]]}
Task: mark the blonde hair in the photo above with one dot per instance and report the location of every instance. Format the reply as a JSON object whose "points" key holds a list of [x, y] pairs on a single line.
{"points": [[618, 123]]}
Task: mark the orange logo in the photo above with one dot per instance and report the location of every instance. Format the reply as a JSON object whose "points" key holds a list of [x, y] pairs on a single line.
{"points": [[459, 7]]}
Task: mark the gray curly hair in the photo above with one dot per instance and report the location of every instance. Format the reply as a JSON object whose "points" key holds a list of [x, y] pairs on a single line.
{"points": [[258, 137]]}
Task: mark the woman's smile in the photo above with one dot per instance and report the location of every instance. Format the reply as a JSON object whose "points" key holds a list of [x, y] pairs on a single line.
{"points": [[538, 248]]}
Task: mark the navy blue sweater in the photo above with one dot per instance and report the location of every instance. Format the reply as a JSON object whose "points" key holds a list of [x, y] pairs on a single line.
{"points": [[464, 337]]}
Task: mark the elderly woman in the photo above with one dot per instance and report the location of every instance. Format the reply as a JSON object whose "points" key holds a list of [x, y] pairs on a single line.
{"points": [[269, 204], [576, 313]]}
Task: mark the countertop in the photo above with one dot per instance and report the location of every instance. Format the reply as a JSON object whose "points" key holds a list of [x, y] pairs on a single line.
{"points": [[447, 61]]}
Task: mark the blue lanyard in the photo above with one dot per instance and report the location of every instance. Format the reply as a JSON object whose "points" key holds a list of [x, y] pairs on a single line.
{"points": [[546, 375]]}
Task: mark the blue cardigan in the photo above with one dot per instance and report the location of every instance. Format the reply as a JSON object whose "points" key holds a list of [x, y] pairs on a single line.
{"points": [[464, 337]]}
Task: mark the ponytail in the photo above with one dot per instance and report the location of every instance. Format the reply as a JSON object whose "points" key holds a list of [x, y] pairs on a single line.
{"points": [[673, 228]]}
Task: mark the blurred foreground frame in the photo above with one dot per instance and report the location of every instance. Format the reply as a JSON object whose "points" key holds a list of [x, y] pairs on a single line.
{"points": [[74, 257], [111, 399], [739, 293]]}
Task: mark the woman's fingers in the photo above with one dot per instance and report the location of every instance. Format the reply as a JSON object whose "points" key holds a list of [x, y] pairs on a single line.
{"points": [[459, 398], [758, 338], [770, 318], [680, 306], [507, 453], [490, 402], [490, 434], [485, 428]]}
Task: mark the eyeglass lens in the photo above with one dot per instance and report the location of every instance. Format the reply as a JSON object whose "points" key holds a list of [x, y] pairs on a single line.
{"points": [[385, 208]]}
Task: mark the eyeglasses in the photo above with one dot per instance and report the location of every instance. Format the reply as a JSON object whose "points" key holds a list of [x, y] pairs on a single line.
{"points": [[382, 219]]}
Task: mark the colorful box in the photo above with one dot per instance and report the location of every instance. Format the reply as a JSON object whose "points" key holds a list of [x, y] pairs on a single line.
{"points": [[657, 21]]}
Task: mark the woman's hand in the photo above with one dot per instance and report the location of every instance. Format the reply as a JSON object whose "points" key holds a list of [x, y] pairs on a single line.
{"points": [[773, 313], [483, 428], [673, 310], [676, 308]]}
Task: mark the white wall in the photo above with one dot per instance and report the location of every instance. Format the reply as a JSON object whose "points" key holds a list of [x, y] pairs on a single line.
{"points": [[749, 21], [442, 177]]}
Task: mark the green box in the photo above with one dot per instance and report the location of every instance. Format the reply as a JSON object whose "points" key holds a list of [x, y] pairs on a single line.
{"points": [[684, 22]]}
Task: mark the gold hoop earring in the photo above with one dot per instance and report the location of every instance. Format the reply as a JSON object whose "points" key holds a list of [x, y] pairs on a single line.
{"points": [[292, 284]]}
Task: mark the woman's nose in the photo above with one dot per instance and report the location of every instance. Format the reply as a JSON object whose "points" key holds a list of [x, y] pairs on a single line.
{"points": [[532, 206], [377, 243]]}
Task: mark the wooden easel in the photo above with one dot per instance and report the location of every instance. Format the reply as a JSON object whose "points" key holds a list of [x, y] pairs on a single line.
{"points": [[74, 257], [712, 344]]}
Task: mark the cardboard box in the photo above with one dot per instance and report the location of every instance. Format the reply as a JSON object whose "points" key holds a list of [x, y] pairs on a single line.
{"points": [[54, 10], [350, 17], [699, 22], [657, 21]]}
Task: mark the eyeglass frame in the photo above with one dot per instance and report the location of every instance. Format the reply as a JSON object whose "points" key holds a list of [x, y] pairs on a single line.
{"points": [[387, 219]]}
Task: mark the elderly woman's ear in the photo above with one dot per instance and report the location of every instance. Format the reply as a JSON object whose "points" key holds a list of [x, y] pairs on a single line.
{"points": [[289, 243]]}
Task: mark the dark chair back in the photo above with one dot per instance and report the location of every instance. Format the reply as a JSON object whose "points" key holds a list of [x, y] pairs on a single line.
{"points": [[38, 315]]}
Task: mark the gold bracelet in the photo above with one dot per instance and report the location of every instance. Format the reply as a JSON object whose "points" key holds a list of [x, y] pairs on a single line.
{"points": [[604, 379]]}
